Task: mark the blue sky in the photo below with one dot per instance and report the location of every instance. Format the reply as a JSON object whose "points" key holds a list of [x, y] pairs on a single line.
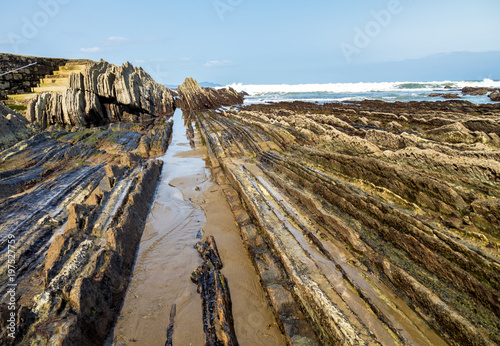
{"points": [[256, 41]]}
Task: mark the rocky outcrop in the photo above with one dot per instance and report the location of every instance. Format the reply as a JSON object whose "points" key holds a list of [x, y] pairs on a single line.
{"points": [[475, 91], [494, 92], [445, 96], [194, 97], [103, 93], [378, 215], [495, 96], [213, 287], [13, 127], [76, 203]]}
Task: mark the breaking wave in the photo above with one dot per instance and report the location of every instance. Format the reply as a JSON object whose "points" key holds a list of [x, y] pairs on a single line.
{"points": [[355, 88]]}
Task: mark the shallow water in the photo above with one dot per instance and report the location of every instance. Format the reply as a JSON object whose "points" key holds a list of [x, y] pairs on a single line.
{"points": [[186, 203], [166, 259]]}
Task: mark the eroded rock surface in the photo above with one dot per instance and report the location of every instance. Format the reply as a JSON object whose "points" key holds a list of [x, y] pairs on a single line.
{"points": [[103, 93], [218, 323], [194, 97], [75, 203], [380, 218]]}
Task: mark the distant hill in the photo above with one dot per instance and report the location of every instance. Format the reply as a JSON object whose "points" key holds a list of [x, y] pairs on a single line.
{"points": [[209, 85], [446, 66], [202, 84]]}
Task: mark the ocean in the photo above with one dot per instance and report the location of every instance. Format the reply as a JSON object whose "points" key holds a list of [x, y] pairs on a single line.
{"points": [[338, 92]]}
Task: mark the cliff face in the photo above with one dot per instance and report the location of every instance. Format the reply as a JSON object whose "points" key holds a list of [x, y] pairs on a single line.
{"points": [[194, 97], [103, 93]]}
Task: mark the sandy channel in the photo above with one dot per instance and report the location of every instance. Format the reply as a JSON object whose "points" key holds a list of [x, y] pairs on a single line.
{"points": [[188, 205]]}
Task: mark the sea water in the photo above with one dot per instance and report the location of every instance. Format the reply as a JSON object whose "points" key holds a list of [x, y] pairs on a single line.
{"points": [[385, 91]]}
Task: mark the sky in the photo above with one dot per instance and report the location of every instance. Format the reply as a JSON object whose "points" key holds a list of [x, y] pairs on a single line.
{"points": [[264, 42]]}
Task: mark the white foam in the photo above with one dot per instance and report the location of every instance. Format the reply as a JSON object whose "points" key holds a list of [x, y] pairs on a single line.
{"points": [[355, 88]]}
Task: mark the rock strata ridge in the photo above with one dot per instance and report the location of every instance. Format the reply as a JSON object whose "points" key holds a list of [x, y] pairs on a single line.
{"points": [[104, 93], [194, 97]]}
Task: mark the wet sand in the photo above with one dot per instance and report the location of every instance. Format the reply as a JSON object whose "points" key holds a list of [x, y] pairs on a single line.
{"points": [[188, 202]]}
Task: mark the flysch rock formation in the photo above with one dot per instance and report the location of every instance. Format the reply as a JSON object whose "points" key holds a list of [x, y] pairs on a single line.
{"points": [[74, 198], [103, 93], [77, 176], [369, 223], [75, 203], [193, 97]]}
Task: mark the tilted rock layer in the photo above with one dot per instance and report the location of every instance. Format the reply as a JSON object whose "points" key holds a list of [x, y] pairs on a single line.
{"points": [[103, 93], [75, 203], [382, 216], [194, 97]]}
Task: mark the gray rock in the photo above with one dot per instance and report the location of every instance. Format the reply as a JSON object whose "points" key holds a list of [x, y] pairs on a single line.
{"points": [[103, 93]]}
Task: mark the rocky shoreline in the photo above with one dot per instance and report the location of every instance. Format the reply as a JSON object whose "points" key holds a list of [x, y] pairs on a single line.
{"points": [[76, 208], [77, 177], [364, 202], [492, 93], [367, 222]]}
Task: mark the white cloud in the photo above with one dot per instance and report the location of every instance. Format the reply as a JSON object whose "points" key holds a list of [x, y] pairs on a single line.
{"points": [[114, 41], [185, 59], [218, 63], [90, 50], [6, 41]]}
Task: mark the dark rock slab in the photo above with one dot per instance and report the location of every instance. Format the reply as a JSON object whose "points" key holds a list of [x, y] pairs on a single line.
{"points": [[218, 323]]}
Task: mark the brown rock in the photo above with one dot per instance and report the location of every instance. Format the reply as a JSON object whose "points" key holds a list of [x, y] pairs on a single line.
{"points": [[54, 252], [384, 139], [113, 171], [394, 126], [194, 97], [76, 217], [475, 91], [450, 96], [495, 96], [129, 159], [453, 133]]}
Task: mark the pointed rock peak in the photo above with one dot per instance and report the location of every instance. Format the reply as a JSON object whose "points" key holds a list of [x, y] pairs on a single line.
{"points": [[194, 97], [190, 83]]}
